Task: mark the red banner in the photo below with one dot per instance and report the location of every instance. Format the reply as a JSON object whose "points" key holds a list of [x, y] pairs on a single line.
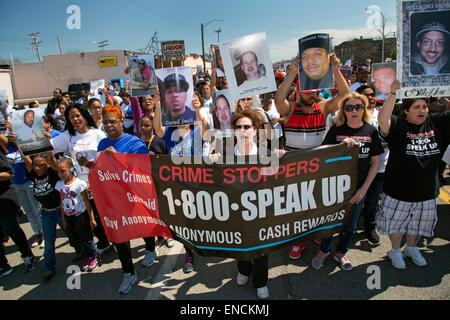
{"points": [[126, 198]]}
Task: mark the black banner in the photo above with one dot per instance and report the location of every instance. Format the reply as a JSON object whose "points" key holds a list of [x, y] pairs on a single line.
{"points": [[247, 209]]}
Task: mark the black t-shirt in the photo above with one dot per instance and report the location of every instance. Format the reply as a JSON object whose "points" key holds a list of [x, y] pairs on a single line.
{"points": [[368, 140], [157, 146], [415, 151], [9, 201], [44, 188]]}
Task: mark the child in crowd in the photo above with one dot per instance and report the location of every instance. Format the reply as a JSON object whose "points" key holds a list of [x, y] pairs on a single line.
{"points": [[78, 217], [42, 172]]}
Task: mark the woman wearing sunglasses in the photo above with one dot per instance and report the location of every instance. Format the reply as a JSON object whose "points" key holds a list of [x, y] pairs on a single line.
{"points": [[246, 125], [352, 127], [417, 141]]}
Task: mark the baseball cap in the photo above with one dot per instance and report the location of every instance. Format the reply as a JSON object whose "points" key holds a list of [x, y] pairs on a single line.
{"points": [[431, 26], [179, 82]]}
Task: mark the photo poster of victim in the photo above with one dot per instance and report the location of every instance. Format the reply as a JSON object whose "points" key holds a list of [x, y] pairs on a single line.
{"points": [[346, 72], [142, 75], [177, 90], [423, 48], [27, 125], [315, 70], [248, 66], [3, 113], [223, 111], [217, 60], [383, 74]]}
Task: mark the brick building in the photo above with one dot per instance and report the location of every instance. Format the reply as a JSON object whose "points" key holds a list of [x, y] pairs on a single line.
{"points": [[360, 49]]}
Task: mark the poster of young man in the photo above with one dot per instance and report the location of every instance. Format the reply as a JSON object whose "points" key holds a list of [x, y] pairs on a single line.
{"points": [[383, 74], [423, 52], [27, 125], [315, 66], [142, 75], [217, 60], [223, 105], [248, 66], [176, 90]]}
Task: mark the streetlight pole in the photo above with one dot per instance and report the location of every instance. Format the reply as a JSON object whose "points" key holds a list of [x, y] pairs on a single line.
{"points": [[203, 26], [375, 8]]}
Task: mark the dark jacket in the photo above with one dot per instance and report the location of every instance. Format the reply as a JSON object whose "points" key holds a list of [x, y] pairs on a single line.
{"points": [[417, 69]]}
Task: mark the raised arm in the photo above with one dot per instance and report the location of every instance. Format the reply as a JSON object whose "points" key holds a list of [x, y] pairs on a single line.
{"points": [[212, 85], [331, 105], [384, 115], [157, 126], [284, 107]]}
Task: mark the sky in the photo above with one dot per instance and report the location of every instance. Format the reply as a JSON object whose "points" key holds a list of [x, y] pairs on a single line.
{"points": [[130, 24]]}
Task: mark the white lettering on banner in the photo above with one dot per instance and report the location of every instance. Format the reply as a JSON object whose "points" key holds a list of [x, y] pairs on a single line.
{"points": [[128, 177], [210, 236], [331, 189], [141, 220], [110, 223], [274, 232], [309, 224], [151, 204]]}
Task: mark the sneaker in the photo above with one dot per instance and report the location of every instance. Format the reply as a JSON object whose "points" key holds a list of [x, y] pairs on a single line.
{"points": [[263, 292], [396, 257], [5, 271], [343, 261], [415, 255], [170, 243], [241, 279], [28, 263], [37, 241], [150, 257], [317, 261], [128, 280], [101, 250], [85, 265], [372, 235], [318, 241], [93, 263], [296, 251], [189, 264]]}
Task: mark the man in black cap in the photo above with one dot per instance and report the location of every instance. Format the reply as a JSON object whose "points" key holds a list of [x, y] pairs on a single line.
{"points": [[315, 62], [431, 58], [175, 95]]}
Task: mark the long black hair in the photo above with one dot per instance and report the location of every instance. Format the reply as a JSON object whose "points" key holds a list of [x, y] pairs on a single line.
{"points": [[84, 113]]}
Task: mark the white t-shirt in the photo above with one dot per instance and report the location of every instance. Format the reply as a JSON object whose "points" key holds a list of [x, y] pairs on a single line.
{"points": [[273, 113], [79, 145], [71, 198], [385, 155]]}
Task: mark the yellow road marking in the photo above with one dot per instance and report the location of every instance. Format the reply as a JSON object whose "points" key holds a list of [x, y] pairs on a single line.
{"points": [[445, 194]]}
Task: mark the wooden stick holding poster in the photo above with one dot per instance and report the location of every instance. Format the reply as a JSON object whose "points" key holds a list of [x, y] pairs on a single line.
{"points": [[423, 45]]}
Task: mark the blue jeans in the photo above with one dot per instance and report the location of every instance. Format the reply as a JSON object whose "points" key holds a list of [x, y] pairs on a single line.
{"points": [[346, 237], [30, 205], [49, 220], [373, 196]]}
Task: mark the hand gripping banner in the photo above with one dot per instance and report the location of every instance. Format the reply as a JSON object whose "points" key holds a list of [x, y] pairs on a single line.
{"points": [[125, 196], [245, 210]]}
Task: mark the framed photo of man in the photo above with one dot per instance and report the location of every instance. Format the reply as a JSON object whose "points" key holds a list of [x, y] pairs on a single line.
{"points": [[248, 66], [423, 49], [315, 70], [383, 74], [27, 125], [177, 90], [142, 75]]}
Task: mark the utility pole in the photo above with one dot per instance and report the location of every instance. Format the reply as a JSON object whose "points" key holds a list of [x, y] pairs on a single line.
{"points": [[203, 26], [218, 30], [103, 44], [153, 45], [34, 36], [60, 48]]}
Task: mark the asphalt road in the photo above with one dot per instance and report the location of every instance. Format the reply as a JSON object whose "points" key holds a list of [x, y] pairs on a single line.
{"points": [[372, 278]]}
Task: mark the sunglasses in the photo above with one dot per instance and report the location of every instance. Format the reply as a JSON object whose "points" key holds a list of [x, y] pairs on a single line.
{"points": [[106, 122], [351, 107], [245, 127], [370, 94], [147, 99]]}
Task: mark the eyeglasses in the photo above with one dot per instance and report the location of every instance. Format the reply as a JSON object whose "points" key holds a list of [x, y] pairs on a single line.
{"points": [[245, 127], [106, 122], [351, 107], [429, 43], [141, 63]]}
